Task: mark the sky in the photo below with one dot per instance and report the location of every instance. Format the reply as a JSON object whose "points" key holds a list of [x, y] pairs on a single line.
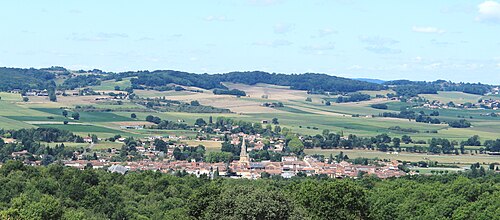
{"points": [[456, 40]]}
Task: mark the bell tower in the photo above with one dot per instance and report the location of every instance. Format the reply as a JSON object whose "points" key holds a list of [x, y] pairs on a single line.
{"points": [[244, 159]]}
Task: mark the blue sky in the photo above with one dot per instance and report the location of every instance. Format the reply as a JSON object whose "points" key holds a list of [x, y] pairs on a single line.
{"points": [[457, 40]]}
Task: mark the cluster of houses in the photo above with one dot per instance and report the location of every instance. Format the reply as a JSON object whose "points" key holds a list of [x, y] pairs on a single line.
{"points": [[159, 161], [34, 92], [481, 104], [288, 167]]}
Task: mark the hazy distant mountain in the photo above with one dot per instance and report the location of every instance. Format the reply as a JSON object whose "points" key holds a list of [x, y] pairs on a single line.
{"points": [[377, 81]]}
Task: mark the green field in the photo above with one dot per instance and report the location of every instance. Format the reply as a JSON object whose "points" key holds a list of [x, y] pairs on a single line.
{"points": [[299, 115], [456, 97], [109, 85]]}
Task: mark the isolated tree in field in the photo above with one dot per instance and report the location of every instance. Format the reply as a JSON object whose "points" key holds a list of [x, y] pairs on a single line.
{"points": [[200, 122], [195, 103], [308, 99], [133, 115], [275, 121], [52, 95], [65, 113], [25, 99], [0, 98], [65, 122], [117, 88], [76, 116], [210, 120], [328, 103]]}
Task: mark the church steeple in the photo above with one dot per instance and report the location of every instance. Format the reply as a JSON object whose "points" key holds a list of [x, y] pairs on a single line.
{"points": [[243, 153]]}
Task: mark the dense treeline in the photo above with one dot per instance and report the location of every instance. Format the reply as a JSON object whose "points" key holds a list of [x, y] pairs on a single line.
{"points": [[408, 114], [379, 106], [42, 134], [25, 79], [316, 83], [413, 88], [56, 192], [353, 97], [235, 92], [29, 140], [165, 105], [81, 81]]}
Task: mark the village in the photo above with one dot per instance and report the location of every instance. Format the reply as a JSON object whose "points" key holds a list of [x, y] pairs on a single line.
{"points": [[245, 167]]}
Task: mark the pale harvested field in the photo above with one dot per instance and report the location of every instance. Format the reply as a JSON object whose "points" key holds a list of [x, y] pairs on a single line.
{"points": [[209, 145], [7, 96], [452, 159], [277, 93]]}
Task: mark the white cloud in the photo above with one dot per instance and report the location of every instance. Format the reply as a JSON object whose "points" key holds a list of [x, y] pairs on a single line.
{"points": [[274, 43], [282, 28], [432, 30], [489, 11], [498, 65], [418, 59]]}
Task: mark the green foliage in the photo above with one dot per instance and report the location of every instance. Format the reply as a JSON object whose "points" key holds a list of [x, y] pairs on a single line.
{"points": [[353, 97], [462, 123], [379, 106], [75, 115], [81, 81], [25, 79], [335, 199], [216, 157], [234, 92], [200, 122], [295, 145], [57, 192], [315, 83]]}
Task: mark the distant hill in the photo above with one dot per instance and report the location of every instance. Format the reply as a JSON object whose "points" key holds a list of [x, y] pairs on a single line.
{"points": [[24, 79], [376, 81], [312, 82], [413, 88]]}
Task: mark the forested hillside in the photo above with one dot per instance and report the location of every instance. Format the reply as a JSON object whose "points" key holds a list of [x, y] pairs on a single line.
{"points": [[413, 88], [25, 79], [316, 83], [56, 192]]}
